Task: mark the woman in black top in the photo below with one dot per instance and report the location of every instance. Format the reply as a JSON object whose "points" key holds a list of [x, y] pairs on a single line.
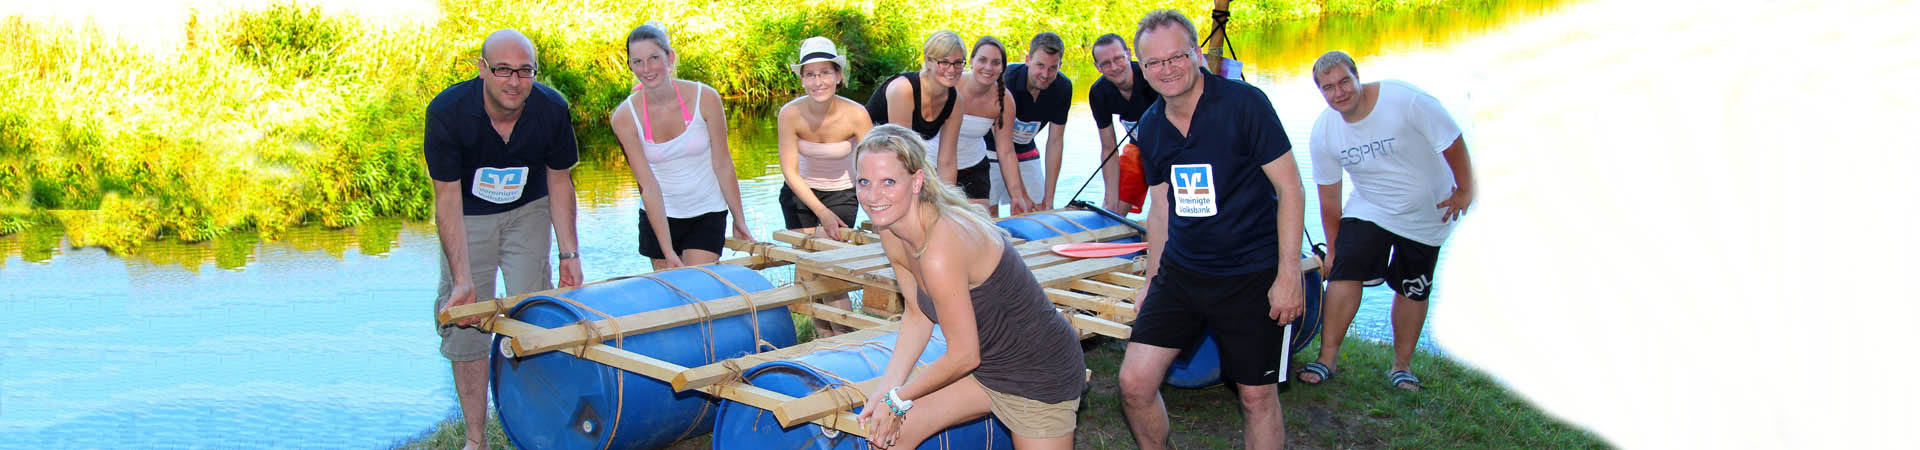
{"points": [[929, 112]]}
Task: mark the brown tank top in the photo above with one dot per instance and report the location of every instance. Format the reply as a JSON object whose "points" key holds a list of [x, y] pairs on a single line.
{"points": [[1026, 348]]}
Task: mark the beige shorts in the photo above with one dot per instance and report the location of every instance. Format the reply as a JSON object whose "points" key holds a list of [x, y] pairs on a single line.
{"points": [[513, 244], [1031, 418]]}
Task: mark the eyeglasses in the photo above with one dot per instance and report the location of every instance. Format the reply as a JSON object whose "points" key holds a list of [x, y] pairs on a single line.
{"points": [[949, 64], [1158, 64], [1110, 63], [504, 72]]}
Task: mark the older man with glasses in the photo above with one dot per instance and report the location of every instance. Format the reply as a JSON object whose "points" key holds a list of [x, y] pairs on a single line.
{"points": [[499, 148], [1223, 240]]}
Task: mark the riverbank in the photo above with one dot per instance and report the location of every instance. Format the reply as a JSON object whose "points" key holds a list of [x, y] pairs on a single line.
{"points": [[1461, 408], [263, 119]]}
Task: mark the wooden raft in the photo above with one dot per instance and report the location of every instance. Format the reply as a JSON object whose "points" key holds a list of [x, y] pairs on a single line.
{"points": [[1093, 294]]}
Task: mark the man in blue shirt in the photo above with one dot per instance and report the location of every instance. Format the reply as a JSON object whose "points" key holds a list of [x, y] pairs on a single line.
{"points": [[1223, 240], [1122, 90], [499, 148]]}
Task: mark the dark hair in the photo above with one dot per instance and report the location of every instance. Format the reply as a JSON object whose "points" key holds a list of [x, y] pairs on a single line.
{"points": [[1110, 39], [999, 83], [1048, 42], [650, 31]]}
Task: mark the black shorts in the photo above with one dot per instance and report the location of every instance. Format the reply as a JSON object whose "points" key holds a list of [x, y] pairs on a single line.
{"points": [[974, 181], [703, 232], [843, 203], [1181, 305], [1372, 255]]}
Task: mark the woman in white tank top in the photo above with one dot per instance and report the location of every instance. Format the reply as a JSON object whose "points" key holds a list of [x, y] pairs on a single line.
{"points": [[678, 152], [817, 131], [989, 107]]}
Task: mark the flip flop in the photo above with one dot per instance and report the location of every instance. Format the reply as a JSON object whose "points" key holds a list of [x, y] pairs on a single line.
{"points": [[1394, 378], [1098, 249], [1325, 373]]}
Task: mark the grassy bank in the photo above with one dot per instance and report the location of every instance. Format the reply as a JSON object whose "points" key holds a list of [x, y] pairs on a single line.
{"points": [[263, 119], [1461, 408]]}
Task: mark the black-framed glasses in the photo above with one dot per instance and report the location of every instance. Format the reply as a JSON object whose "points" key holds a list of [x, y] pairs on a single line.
{"points": [[503, 72], [949, 63], [1111, 63], [1158, 64]]}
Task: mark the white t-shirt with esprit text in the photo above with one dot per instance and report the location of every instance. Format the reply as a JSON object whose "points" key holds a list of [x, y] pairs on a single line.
{"points": [[1393, 156]]}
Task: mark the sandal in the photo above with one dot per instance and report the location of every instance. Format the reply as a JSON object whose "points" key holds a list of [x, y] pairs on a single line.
{"points": [[1397, 377], [1325, 373]]}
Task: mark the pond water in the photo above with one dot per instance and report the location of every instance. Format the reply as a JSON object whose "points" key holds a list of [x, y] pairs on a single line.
{"points": [[322, 338]]}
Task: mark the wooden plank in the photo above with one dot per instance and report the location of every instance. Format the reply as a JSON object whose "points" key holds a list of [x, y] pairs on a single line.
{"points": [[664, 318], [1123, 279], [487, 308], [1101, 289], [1059, 275], [809, 241], [755, 262], [703, 376], [1111, 308], [841, 316], [825, 403], [1104, 327], [766, 249]]}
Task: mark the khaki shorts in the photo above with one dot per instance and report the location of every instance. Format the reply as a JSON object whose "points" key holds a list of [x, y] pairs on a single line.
{"points": [[1031, 418], [513, 244]]}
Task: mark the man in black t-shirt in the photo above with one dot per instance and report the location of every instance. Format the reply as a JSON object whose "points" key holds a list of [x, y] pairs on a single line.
{"points": [[1041, 95], [1121, 90], [499, 148], [1223, 240]]}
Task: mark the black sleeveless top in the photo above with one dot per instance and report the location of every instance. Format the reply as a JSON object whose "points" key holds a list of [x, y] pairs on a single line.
{"points": [[1026, 348], [877, 106]]}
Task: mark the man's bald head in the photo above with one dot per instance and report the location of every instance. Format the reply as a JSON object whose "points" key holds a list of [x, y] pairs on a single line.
{"points": [[508, 37]]}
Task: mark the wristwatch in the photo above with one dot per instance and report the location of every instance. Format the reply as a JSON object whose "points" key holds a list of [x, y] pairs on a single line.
{"points": [[565, 255], [899, 406]]}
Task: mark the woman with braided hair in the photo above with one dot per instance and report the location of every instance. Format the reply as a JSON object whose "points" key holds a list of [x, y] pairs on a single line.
{"points": [[989, 107], [1009, 352]]}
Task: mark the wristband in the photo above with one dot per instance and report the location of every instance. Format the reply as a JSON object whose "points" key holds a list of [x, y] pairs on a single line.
{"points": [[899, 406], [567, 256]]}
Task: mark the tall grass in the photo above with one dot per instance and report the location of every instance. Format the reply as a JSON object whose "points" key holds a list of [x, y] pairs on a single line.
{"points": [[262, 119]]}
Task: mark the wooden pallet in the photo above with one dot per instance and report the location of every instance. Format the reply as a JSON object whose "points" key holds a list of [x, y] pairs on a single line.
{"points": [[1094, 295]]}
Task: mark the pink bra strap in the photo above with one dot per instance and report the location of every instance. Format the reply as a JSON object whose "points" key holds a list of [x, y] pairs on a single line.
{"points": [[646, 123]]}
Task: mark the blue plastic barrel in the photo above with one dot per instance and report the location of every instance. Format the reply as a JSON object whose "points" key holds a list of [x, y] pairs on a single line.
{"points": [[742, 426], [1030, 227], [554, 400]]}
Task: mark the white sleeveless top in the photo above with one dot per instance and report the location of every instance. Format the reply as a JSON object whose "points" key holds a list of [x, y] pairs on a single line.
{"points": [[972, 146], [826, 166], [683, 166]]}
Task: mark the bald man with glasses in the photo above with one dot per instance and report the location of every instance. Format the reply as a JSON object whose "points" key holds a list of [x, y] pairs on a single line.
{"points": [[499, 148]]}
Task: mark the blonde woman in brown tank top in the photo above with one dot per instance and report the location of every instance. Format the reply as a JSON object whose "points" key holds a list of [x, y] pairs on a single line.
{"points": [[817, 131], [1009, 353]]}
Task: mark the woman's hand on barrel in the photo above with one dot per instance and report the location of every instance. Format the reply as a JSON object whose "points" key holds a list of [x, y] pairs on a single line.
{"points": [[883, 427]]}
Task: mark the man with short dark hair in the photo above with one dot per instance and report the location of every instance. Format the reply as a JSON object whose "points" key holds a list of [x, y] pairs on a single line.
{"points": [[500, 150], [1121, 90], [1411, 180], [1041, 95], [1223, 241]]}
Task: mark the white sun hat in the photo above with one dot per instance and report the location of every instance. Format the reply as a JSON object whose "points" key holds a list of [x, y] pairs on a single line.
{"points": [[819, 48]]}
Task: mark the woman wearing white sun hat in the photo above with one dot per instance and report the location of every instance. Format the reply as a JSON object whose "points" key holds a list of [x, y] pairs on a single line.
{"points": [[817, 131]]}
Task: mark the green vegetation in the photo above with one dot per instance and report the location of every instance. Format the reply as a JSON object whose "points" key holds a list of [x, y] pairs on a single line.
{"points": [[1461, 408], [265, 119]]}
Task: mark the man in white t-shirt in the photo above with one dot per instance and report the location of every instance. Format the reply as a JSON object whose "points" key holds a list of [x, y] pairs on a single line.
{"points": [[1411, 180]]}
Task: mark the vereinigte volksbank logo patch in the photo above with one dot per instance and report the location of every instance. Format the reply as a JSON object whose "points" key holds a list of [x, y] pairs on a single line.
{"points": [[499, 185], [1194, 190]]}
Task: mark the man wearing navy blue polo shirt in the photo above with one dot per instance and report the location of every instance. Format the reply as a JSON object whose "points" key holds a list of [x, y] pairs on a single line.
{"points": [[500, 149], [1041, 95], [1223, 239]]}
